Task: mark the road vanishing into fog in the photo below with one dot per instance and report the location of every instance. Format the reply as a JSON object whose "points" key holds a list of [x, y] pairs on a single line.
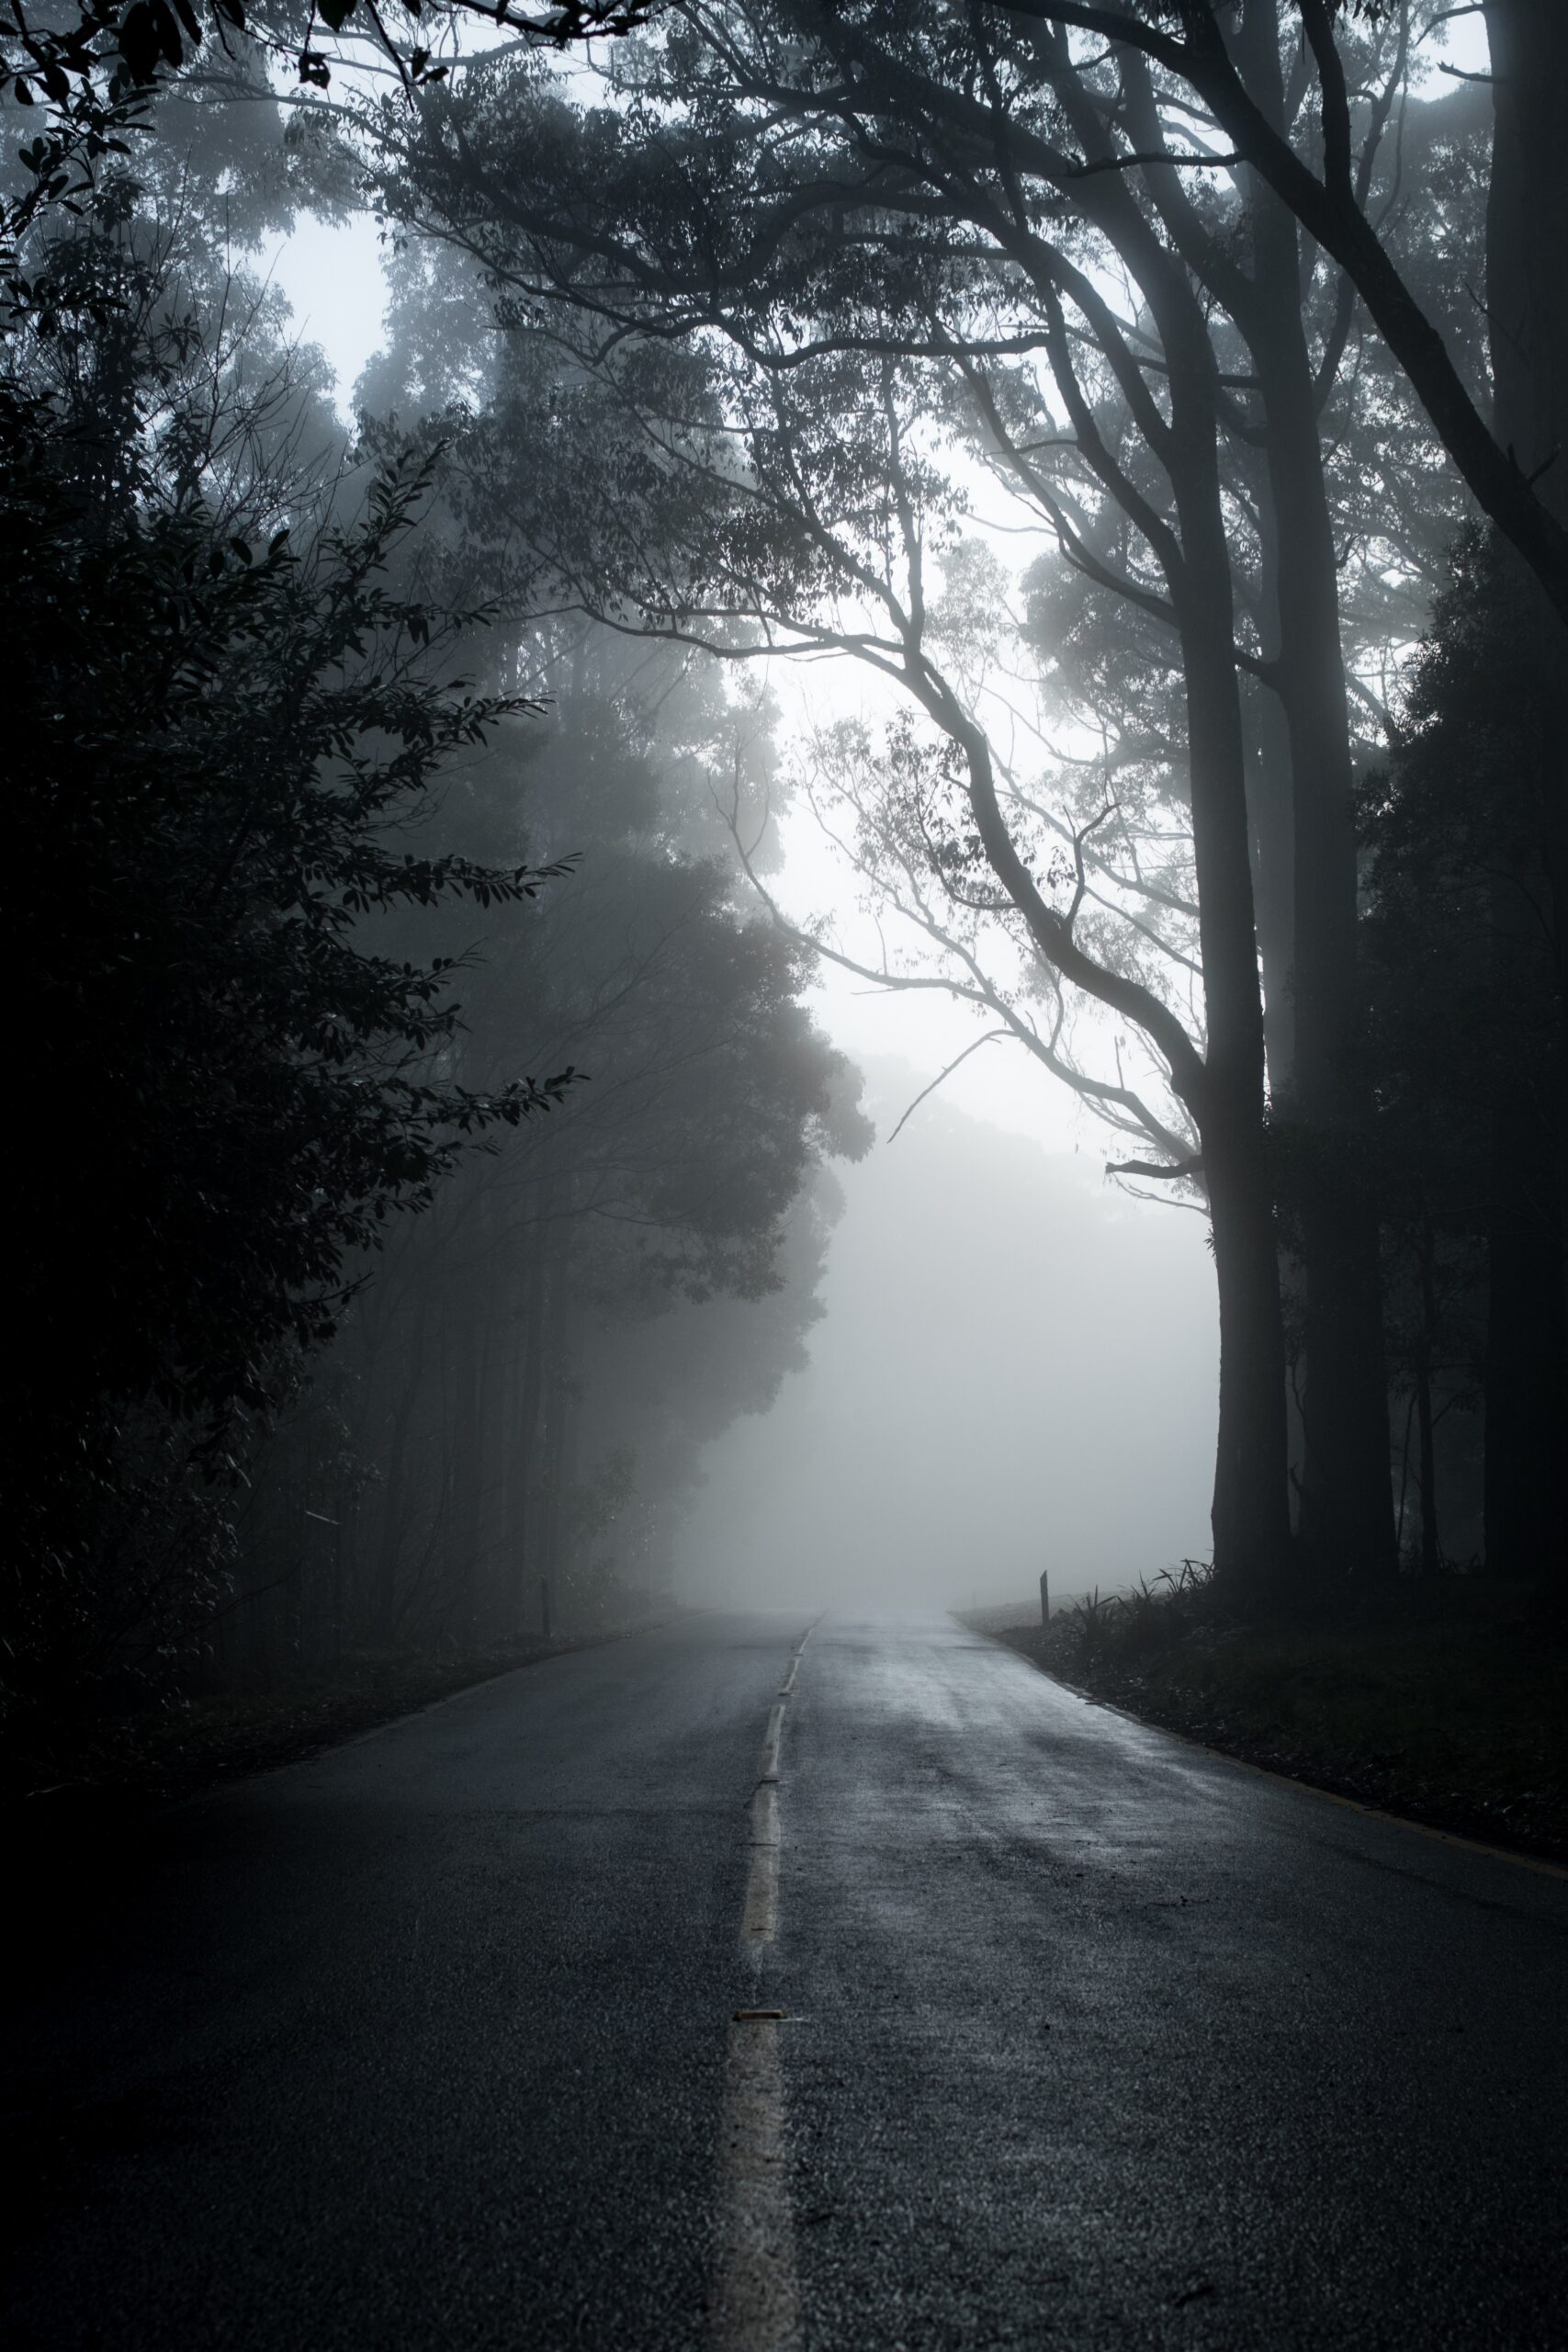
{"points": [[1086, 2038]]}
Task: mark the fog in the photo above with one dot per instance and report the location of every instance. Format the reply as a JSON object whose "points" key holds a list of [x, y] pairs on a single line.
{"points": [[573, 1382], [1014, 1370]]}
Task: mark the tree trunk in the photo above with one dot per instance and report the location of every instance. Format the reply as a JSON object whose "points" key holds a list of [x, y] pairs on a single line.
{"points": [[1252, 1538], [390, 1520], [555, 1417], [1346, 1507], [1431, 1550], [1346, 1499], [1527, 237], [1251, 1515], [1523, 1375], [527, 1520], [1273, 846], [1253, 1551], [468, 1340]]}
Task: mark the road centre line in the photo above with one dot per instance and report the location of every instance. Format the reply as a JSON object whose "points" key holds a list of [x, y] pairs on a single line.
{"points": [[759, 1913], [756, 2305]]}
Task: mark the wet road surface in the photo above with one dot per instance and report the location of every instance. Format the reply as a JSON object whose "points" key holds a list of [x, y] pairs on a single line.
{"points": [[1086, 2038]]}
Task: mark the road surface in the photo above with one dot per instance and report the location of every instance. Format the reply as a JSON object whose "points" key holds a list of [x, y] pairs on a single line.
{"points": [[767, 1988]]}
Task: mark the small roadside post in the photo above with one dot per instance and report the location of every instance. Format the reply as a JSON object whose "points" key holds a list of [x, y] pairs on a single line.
{"points": [[1045, 1598]]}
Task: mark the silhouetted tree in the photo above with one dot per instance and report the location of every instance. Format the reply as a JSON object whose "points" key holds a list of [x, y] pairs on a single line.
{"points": [[1467, 1035], [209, 745], [522, 1385]]}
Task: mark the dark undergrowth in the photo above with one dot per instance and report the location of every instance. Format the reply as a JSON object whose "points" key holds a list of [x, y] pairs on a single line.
{"points": [[1447, 1704], [166, 1749]]}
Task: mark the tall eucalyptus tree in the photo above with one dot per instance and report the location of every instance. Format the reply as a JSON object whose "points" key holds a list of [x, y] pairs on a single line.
{"points": [[811, 231]]}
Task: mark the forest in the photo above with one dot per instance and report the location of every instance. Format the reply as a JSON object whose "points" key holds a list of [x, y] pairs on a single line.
{"points": [[1154, 409]]}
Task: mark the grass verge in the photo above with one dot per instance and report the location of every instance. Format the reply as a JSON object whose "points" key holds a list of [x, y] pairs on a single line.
{"points": [[1449, 1707]]}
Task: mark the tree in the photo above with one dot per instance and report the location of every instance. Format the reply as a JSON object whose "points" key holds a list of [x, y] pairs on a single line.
{"points": [[1512, 465], [874, 327], [1330, 206], [1526, 1382], [1461, 933], [88, 75], [523, 1385], [212, 742], [949, 200]]}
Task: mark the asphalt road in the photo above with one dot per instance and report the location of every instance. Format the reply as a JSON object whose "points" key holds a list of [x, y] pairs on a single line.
{"points": [[1088, 2038]]}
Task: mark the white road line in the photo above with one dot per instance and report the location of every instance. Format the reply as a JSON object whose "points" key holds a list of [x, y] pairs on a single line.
{"points": [[769, 1768], [759, 1913], [756, 2305]]}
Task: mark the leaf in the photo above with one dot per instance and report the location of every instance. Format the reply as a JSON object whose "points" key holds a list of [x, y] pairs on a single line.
{"points": [[142, 38]]}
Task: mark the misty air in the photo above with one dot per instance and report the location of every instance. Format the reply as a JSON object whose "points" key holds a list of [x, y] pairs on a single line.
{"points": [[786, 1496]]}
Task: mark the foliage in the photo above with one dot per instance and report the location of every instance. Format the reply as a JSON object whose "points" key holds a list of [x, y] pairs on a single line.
{"points": [[1459, 927], [1467, 1025], [609, 1288], [88, 75], [211, 744], [1099, 1633]]}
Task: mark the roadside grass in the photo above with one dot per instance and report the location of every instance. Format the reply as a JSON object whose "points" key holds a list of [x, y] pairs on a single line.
{"points": [[1449, 1705], [176, 1747]]}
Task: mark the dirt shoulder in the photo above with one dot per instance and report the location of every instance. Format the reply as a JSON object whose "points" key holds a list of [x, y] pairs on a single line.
{"points": [[183, 1747], [1459, 1722]]}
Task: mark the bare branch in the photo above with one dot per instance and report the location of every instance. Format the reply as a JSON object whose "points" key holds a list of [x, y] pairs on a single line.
{"points": [[990, 1038], [1181, 1173]]}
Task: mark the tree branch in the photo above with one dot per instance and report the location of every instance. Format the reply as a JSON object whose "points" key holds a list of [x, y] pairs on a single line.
{"points": [[990, 1038]]}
